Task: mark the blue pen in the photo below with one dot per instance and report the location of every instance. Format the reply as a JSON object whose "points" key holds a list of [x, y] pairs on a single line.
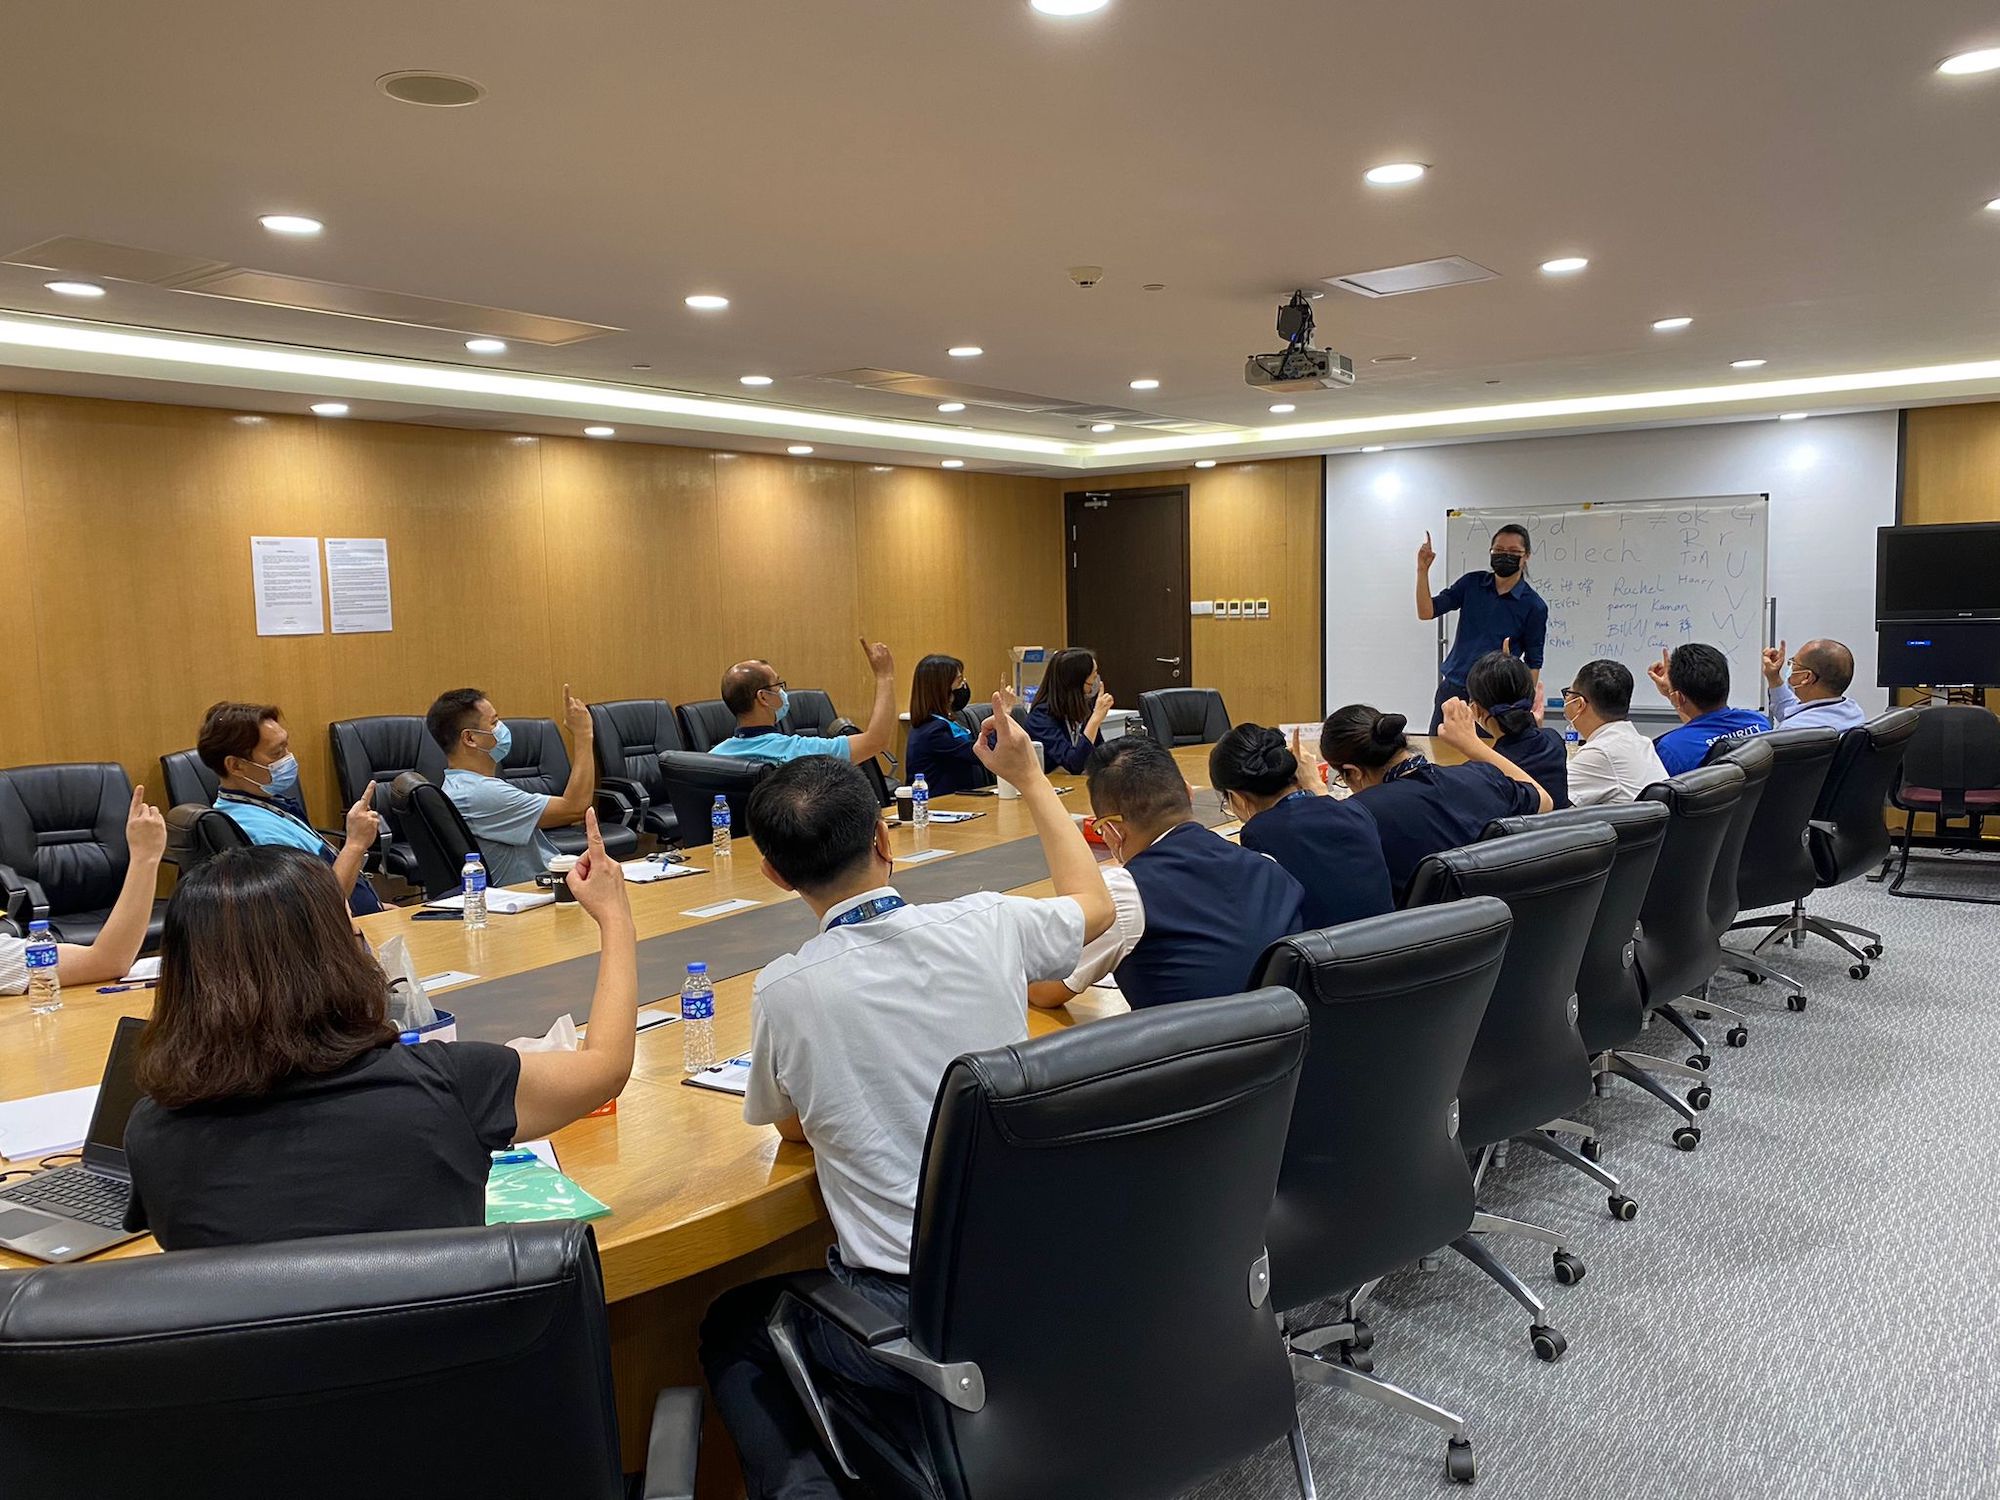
{"points": [[507, 1158]]}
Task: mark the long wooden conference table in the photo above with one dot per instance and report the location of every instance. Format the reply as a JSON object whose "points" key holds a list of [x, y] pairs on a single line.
{"points": [[700, 1201]]}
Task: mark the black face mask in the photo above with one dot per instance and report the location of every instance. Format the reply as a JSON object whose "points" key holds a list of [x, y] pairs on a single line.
{"points": [[1505, 564], [960, 696]]}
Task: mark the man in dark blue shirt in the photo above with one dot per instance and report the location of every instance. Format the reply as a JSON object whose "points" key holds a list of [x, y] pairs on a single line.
{"points": [[1695, 679], [1497, 610]]}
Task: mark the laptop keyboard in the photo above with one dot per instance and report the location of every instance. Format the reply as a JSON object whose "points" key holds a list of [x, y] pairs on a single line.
{"points": [[76, 1193]]}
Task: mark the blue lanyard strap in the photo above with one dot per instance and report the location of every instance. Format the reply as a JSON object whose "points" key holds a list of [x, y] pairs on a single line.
{"points": [[867, 911], [1294, 796]]}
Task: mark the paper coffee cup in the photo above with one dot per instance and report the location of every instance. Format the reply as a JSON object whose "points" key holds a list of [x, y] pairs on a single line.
{"points": [[906, 798], [559, 869]]}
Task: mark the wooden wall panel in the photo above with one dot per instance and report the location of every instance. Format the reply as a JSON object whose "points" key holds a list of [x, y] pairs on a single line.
{"points": [[913, 567], [1012, 574], [1951, 469], [21, 732]]}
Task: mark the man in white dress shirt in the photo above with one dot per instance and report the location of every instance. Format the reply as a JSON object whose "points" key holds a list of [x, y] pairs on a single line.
{"points": [[1812, 692], [1616, 762]]}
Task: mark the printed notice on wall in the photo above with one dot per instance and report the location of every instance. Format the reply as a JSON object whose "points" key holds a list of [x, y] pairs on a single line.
{"points": [[357, 584], [285, 573]]}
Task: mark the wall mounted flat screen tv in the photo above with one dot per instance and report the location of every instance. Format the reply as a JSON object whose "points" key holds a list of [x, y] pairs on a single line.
{"points": [[1938, 572]]}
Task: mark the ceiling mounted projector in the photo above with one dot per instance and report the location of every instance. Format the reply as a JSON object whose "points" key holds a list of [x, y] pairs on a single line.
{"points": [[1298, 366]]}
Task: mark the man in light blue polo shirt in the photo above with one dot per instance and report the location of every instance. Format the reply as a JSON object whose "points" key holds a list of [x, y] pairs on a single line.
{"points": [[1813, 693], [506, 819], [757, 695]]}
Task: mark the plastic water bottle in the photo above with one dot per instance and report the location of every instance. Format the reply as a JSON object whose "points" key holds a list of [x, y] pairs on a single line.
{"points": [[718, 823], [44, 984], [698, 1019], [474, 883], [920, 801]]}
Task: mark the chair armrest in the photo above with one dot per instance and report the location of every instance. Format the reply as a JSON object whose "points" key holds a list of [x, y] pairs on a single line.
{"points": [[850, 1312], [673, 1447], [615, 807], [883, 1339], [21, 899], [634, 794]]}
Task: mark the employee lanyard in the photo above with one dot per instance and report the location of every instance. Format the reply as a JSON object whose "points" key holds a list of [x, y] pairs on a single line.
{"points": [[867, 911], [269, 804], [1294, 796], [1414, 763]]}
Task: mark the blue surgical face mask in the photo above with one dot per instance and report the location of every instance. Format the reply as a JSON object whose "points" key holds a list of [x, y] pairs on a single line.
{"points": [[784, 702], [284, 776], [503, 741]]}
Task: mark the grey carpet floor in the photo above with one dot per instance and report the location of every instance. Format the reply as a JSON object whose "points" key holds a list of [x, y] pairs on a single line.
{"points": [[1807, 1305]]}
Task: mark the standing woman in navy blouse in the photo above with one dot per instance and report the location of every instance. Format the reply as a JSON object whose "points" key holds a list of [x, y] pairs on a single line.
{"points": [[940, 747], [1502, 692], [1069, 710], [1329, 846]]}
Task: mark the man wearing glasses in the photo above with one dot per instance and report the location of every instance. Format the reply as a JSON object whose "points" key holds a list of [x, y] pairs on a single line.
{"points": [[1497, 611], [758, 696], [1616, 762]]}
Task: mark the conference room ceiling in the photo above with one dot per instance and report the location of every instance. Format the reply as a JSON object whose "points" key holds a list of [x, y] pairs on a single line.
{"points": [[872, 182]]}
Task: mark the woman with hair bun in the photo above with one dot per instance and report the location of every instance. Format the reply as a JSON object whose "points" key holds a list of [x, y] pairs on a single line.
{"points": [[1329, 846], [1420, 807], [1502, 692]]}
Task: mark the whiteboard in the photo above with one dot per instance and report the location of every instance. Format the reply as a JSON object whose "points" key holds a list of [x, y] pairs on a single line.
{"points": [[1630, 578]]}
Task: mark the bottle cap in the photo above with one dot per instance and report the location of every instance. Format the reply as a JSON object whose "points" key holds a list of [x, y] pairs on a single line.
{"points": [[697, 967], [409, 1038], [34, 927], [471, 855]]}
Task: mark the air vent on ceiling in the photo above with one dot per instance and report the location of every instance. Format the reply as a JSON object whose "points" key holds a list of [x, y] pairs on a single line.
{"points": [[1418, 276], [932, 389]]}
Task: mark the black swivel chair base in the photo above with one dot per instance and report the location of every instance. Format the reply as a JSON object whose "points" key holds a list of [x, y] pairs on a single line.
{"points": [[1546, 1140], [1549, 1344], [1335, 1355], [1638, 1069], [1797, 922]]}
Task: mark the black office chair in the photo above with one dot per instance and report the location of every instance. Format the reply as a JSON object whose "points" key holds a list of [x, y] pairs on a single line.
{"points": [[811, 711], [1679, 949], [63, 854], [706, 724], [975, 714], [369, 754], [1752, 755], [1374, 1175], [630, 734], [538, 761], [1951, 770], [196, 833], [1528, 1064], [439, 837], [693, 781], [187, 779], [1774, 867], [1184, 716], [394, 1366], [1610, 1013], [1154, 1358]]}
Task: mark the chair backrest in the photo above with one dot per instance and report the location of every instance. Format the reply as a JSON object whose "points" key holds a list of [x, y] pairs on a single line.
{"points": [[1774, 866], [1754, 758], [1528, 1065], [1678, 945], [630, 734], [692, 781], [975, 714], [706, 724], [317, 1369], [1610, 1010], [187, 778], [1955, 750], [811, 711], [63, 827], [437, 833], [537, 760], [1155, 1143], [1184, 716], [370, 753], [1374, 1175], [196, 833], [1849, 836]]}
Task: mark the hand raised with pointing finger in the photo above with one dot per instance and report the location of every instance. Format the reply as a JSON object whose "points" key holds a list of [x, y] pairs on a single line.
{"points": [[1774, 663], [597, 881], [1426, 555], [1459, 728], [576, 714], [362, 825], [1003, 747], [1658, 672], [145, 828]]}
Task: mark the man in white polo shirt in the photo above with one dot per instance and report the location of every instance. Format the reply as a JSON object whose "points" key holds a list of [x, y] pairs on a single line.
{"points": [[1616, 762], [849, 1039]]}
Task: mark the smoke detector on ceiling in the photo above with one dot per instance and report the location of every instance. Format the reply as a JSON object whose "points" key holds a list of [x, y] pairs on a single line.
{"points": [[1086, 276]]}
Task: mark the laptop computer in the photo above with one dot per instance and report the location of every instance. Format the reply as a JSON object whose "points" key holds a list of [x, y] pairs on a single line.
{"points": [[70, 1212]]}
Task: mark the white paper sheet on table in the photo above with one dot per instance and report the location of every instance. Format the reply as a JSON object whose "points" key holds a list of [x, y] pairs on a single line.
{"points": [[499, 902], [444, 981], [646, 871], [721, 908], [45, 1122], [143, 970], [921, 855]]}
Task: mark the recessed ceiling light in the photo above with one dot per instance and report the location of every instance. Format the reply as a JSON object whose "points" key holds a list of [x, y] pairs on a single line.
{"points": [[487, 346], [1985, 60], [1392, 359], [706, 302], [1793, 416], [952, 463], [1145, 385], [1154, 286], [434, 90], [1068, 7], [1564, 265], [1670, 325], [1993, 207], [600, 432], [642, 367], [965, 351], [1747, 364], [329, 408], [1373, 448], [1103, 426], [1390, 174], [753, 380], [75, 288], [1283, 408], [799, 450], [247, 421], [1204, 463], [290, 224], [951, 406]]}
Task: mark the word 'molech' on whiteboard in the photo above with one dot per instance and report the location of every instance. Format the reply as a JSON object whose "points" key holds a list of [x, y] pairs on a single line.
{"points": [[357, 584], [284, 571]]}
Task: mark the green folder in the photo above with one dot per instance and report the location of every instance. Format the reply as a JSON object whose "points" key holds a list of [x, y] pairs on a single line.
{"points": [[529, 1192]]}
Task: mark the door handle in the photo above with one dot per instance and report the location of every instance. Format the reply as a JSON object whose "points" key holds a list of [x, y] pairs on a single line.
{"points": [[1168, 661]]}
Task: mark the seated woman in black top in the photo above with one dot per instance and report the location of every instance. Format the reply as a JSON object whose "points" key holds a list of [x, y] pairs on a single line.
{"points": [[281, 1105], [1502, 693], [1329, 845], [1069, 710], [1420, 807], [940, 746]]}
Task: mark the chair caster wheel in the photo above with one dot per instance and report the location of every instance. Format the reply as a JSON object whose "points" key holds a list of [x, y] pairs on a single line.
{"points": [[1459, 1467], [1700, 1096], [1701, 1060], [1357, 1359], [1549, 1344], [1364, 1336], [1623, 1209], [1738, 1037], [1754, 977], [1798, 1002], [1704, 1015], [1569, 1270], [1687, 1137], [1592, 1148], [1873, 950], [1857, 971]]}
